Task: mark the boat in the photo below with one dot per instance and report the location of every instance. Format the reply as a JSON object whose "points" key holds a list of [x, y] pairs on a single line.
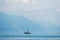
{"points": [[27, 32]]}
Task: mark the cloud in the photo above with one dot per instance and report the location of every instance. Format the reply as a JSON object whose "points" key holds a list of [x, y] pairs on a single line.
{"points": [[7, 1], [58, 10], [33, 1], [25, 1]]}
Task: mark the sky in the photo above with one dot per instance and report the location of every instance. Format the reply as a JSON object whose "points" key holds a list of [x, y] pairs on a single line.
{"points": [[31, 9], [28, 5]]}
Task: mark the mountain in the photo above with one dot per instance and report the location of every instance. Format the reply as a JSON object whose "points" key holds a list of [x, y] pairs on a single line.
{"points": [[49, 24], [51, 15], [49, 28], [48, 15], [50, 20], [5, 26], [13, 24], [10, 24], [26, 24]]}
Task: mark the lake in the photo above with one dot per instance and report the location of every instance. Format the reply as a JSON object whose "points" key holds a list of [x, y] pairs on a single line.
{"points": [[29, 37]]}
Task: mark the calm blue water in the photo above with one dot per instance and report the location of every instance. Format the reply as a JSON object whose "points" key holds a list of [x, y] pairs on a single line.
{"points": [[29, 37], [32, 36]]}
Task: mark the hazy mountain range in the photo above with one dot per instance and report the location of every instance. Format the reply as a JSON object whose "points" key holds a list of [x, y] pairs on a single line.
{"points": [[16, 24], [13, 24]]}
